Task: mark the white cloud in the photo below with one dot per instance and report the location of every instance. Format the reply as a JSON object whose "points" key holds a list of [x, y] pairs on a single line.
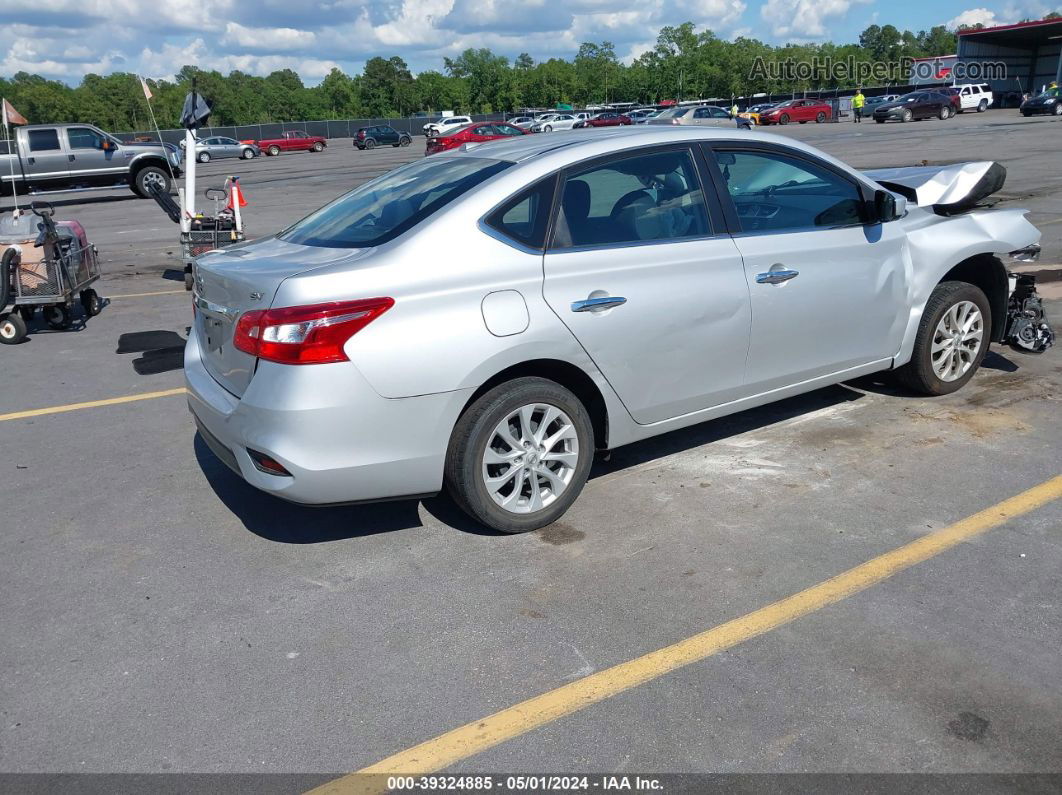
{"points": [[165, 61], [804, 19], [974, 16], [268, 39]]}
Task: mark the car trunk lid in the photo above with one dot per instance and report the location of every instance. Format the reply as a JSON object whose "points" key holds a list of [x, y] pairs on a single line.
{"points": [[240, 279]]}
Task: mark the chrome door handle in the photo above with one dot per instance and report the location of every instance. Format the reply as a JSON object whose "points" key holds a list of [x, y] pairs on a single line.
{"points": [[598, 304], [776, 276]]}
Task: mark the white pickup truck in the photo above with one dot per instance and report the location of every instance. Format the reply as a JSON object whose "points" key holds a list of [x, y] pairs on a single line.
{"points": [[58, 158]]}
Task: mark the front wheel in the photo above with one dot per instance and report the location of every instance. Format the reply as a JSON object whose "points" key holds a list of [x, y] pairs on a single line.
{"points": [[248, 154], [547, 128], [820, 117], [880, 121], [274, 151], [1058, 109], [91, 303], [907, 116], [318, 147], [405, 142], [944, 115], [203, 157], [520, 455], [151, 177], [951, 341], [784, 119], [12, 329]]}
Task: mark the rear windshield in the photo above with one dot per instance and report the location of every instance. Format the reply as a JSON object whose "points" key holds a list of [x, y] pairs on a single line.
{"points": [[386, 207]]}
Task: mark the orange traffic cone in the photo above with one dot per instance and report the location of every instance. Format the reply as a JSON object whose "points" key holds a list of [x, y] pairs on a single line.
{"points": [[235, 194]]}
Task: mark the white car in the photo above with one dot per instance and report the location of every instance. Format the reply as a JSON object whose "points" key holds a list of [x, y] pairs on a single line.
{"points": [[523, 122], [559, 121], [445, 125], [972, 96]]}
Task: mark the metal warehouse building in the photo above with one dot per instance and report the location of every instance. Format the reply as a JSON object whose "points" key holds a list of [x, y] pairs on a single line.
{"points": [[1031, 52]]}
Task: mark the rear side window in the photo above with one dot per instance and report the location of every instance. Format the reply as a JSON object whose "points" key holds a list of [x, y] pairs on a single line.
{"points": [[644, 197], [524, 217], [43, 140], [384, 208]]}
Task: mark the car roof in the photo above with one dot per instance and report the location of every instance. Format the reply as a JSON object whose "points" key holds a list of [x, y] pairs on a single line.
{"points": [[578, 144]]}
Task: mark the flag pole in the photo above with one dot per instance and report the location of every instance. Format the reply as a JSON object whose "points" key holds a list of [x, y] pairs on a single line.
{"points": [[155, 124], [10, 151]]}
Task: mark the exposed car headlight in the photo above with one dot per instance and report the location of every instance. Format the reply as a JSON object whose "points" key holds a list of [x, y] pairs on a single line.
{"points": [[1027, 254]]}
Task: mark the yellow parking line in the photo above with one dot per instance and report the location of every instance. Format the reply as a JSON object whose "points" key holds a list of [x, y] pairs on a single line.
{"points": [[92, 404], [472, 738], [146, 295]]}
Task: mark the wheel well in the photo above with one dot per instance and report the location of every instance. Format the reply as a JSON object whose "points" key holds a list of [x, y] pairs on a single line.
{"points": [[145, 162], [567, 375], [987, 272]]}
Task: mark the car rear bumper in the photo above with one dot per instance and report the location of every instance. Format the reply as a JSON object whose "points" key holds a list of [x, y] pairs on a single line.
{"points": [[339, 440]]}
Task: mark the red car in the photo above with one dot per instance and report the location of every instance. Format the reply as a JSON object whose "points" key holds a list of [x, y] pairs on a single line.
{"points": [[476, 133], [801, 110], [608, 119], [293, 141]]}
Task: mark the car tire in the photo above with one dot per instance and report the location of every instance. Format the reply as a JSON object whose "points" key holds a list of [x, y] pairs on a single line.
{"points": [[12, 329], [405, 141], [1058, 109], [318, 147], [783, 119], [478, 429], [203, 157], [982, 106], [880, 121], [907, 116], [151, 175], [370, 143], [820, 117], [274, 150], [949, 302], [57, 317], [248, 154], [944, 115], [548, 128]]}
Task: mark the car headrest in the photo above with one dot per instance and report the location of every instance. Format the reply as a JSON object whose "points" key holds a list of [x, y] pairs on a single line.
{"points": [[576, 201]]}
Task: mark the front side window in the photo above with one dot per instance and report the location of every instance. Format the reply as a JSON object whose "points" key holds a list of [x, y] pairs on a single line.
{"points": [[84, 138], [43, 140], [384, 208], [641, 198], [776, 192]]}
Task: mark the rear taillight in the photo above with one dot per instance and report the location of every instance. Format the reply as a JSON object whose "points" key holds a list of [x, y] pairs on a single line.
{"points": [[361, 133], [306, 334]]}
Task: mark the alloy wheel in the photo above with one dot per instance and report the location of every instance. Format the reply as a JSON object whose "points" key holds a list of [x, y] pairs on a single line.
{"points": [[530, 458], [957, 341]]}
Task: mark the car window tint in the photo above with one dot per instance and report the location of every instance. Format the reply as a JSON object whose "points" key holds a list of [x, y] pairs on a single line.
{"points": [[484, 129], [43, 140], [525, 216], [645, 197], [385, 207], [775, 192], [83, 138]]}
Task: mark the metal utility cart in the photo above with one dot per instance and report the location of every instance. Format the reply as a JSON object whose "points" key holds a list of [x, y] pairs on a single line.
{"points": [[208, 232], [45, 265]]}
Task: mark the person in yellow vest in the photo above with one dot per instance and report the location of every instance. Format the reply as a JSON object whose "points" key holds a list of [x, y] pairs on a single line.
{"points": [[857, 105], [733, 111]]}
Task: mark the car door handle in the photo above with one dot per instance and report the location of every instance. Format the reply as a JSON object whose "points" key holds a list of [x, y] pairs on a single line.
{"points": [[598, 304], [776, 276]]}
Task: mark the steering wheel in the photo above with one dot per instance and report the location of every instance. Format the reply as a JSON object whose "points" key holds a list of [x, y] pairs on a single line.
{"points": [[42, 209]]}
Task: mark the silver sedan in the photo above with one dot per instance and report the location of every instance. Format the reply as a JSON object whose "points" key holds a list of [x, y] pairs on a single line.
{"points": [[609, 288], [218, 147]]}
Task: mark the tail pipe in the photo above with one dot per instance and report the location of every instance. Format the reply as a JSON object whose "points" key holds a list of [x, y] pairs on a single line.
{"points": [[1027, 329]]}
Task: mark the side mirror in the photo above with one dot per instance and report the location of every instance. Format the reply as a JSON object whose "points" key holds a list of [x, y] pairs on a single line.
{"points": [[887, 206]]}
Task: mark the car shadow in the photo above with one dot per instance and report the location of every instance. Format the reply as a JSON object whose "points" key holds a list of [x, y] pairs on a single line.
{"points": [[276, 520]]}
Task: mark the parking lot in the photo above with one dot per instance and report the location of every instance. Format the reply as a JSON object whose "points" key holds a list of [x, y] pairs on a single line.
{"points": [[159, 615]]}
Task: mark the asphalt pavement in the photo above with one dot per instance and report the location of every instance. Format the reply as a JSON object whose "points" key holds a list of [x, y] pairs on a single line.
{"points": [[161, 616]]}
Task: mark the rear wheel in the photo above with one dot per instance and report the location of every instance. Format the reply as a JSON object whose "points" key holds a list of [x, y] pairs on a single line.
{"points": [[1058, 109], [370, 143], [12, 329], [951, 341], [274, 150], [982, 106], [520, 455], [90, 301]]}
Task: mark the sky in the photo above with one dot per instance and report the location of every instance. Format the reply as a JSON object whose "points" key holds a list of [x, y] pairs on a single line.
{"points": [[66, 39]]}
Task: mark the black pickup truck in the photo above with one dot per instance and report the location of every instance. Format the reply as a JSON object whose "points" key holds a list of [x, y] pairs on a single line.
{"points": [[57, 158]]}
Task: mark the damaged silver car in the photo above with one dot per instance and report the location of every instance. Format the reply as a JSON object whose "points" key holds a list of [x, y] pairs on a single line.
{"points": [[610, 288]]}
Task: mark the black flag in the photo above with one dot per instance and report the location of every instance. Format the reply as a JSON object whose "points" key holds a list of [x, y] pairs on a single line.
{"points": [[195, 112]]}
